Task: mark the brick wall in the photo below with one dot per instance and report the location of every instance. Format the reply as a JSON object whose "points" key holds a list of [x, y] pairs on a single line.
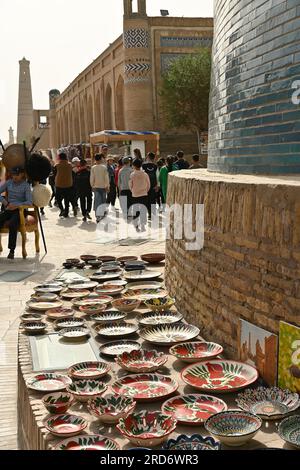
{"points": [[250, 265], [254, 125]]}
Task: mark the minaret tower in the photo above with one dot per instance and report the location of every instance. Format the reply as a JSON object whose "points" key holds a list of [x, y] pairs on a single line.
{"points": [[25, 106], [11, 139], [138, 68]]}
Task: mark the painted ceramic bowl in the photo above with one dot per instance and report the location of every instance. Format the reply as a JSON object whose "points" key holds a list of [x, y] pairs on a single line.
{"points": [[115, 348], [86, 442], [88, 370], [116, 283], [87, 258], [92, 308], [73, 294], [108, 316], [93, 299], [145, 387], [43, 306], [82, 285], [101, 277], [159, 304], [73, 261], [144, 294], [57, 403], [126, 305], [195, 442], [153, 258], [141, 361], [115, 330], [196, 351], [109, 289], [165, 335], [74, 334], [111, 268], [167, 317], [219, 376], [65, 425], [289, 430], [53, 288], [233, 428], [45, 297], [60, 313], [124, 259], [147, 428], [142, 274], [107, 259], [193, 410], [268, 403], [111, 408], [95, 263], [84, 390], [48, 382], [31, 317], [34, 327], [69, 323]]}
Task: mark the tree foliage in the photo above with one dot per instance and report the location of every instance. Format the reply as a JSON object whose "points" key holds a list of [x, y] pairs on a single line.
{"points": [[185, 91]]}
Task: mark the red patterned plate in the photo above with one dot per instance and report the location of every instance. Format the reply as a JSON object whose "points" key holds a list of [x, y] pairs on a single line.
{"points": [[86, 442], [145, 387], [193, 409], [196, 351], [65, 425], [219, 375]]}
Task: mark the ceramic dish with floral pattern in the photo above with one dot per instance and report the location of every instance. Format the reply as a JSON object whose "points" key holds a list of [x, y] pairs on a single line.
{"points": [[193, 409], [168, 317], [84, 390], [196, 351], [141, 361], [58, 403], [111, 408], [48, 382], [65, 425], [88, 442], [165, 335], [194, 442], [117, 329], [89, 370], [145, 387]]}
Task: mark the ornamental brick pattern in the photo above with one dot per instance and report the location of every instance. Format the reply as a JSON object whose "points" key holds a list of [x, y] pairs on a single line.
{"points": [[250, 265]]}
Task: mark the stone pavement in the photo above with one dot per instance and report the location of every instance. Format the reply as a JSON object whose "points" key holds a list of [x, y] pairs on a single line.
{"points": [[66, 238]]}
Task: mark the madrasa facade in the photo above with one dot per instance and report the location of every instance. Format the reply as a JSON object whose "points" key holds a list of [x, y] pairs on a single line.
{"points": [[120, 90]]}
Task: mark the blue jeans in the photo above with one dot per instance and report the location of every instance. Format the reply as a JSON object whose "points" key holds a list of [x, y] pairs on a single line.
{"points": [[100, 202]]}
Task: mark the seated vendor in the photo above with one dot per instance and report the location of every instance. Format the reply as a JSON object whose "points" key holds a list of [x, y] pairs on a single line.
{"points": [[18, 193]]}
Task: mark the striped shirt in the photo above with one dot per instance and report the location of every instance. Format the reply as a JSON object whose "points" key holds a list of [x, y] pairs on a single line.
{"points": [[18, 194]]}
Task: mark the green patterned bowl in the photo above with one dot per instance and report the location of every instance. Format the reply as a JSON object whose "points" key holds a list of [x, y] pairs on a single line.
{"points": [[289, 430], [84, 390], [111, 408], [57, 403]]}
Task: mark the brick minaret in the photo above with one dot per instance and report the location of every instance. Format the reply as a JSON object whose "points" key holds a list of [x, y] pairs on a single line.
{"points": [[138, 68], [25, 105]]}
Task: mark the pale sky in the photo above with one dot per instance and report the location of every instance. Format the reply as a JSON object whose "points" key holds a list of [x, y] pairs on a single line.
{"points": [[61, 38]]}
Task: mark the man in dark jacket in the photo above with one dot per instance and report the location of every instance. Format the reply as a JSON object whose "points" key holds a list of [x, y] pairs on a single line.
{"points": [[151, 169], [181, 163], [84, 190], [112, 194]]}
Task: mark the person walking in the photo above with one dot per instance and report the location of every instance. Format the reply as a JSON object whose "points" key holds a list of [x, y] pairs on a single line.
{"points": [[159, 201], [181, 163], [163, 177], [51, 180], [112, 193], [150, 168], [139, 185], [84, 190], [18, 194], [99, 180], [123, 186], [63, 184], [196, 163], [117, 171]]}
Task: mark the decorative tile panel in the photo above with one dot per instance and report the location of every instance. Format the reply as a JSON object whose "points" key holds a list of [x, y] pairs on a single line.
{"points": [[187, 41], [138, 37]]}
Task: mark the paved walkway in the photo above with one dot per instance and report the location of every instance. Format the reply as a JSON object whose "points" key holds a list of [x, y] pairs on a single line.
{"points": [[66, 238]]}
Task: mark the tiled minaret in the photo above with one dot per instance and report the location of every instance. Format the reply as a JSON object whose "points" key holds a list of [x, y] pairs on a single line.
{"points": [[25, 105], [138, 68]]}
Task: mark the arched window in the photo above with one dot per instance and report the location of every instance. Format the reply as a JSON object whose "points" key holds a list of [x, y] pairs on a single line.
{"points": [[120, 112], [108, 108]]}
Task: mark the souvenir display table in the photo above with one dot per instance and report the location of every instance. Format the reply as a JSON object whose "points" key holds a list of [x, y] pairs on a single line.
{"points": [[33, 435]]}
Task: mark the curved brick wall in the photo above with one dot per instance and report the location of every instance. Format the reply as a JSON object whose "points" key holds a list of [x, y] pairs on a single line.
{"points": [[250, 264], [254, 126]]}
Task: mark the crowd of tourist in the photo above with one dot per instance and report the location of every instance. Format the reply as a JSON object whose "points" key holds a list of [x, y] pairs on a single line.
{"points": [[140, 185]]}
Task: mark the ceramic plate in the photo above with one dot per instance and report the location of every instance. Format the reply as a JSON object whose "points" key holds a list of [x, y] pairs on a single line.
{"points": [[144, 294], [197, 351], [93, 299], [34, 327], [145, 387], [219, 375], [193, 409], [142, 274], [163, 318], [83, 285], [65, 425], [117, 283], [116, 329], [49, 288], [289, 430], [86, 442], [48, 382], [60, 313], [74, 333], [110, 290], [165, 335], [115, 348], [31, 317], [43, 306], [141, 361], [268, 403], [153, 258], [144, 285], [108, 316], [69, 323], [72, 294], [89, 370], [101, 277], [84, 390], [45, 297], [111, 408]]}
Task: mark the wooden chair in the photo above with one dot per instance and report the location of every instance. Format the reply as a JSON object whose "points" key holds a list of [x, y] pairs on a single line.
{"points": [[28, 223]]}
